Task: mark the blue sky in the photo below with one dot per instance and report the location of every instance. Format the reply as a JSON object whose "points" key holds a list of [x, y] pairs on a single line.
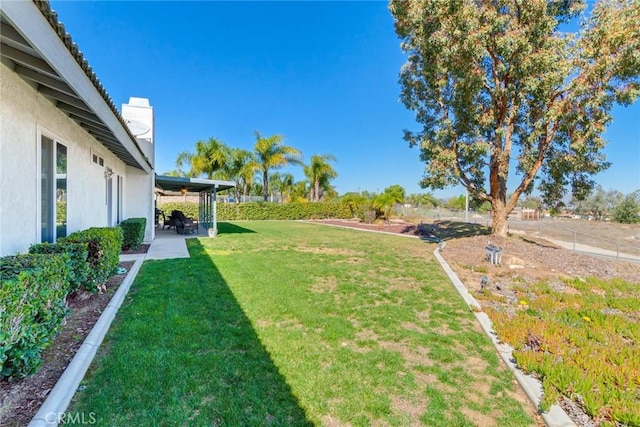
{"points": [[323, 74]]}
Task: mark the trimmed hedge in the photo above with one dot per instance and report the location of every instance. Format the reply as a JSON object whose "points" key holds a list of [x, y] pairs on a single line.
{"points": [[190, 209], [78, 255], [33, 291], [133, 232], [103, 245], [266, 210], [282, 211]]}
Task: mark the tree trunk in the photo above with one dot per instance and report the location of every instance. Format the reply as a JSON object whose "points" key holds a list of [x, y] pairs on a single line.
{"points": [[316, 191], [499, 225], [265, 185]]}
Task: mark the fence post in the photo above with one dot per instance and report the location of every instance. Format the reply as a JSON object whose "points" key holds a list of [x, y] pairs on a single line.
{"points": [[574, 241]]}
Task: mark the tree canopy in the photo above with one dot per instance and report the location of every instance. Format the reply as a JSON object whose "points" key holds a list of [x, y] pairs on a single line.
{"points": [[628, 211], [497, 86]]}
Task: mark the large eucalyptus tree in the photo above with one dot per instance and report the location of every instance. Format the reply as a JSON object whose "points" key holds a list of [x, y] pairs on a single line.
{"points": [[497, 85]]}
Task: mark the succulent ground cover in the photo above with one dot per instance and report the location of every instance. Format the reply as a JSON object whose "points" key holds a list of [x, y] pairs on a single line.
{"points": [[573, 320], [581, 338]]}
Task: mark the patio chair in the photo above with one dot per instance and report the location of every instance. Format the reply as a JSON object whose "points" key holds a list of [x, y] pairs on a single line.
{"points": [[171, 222], [184, 224]]}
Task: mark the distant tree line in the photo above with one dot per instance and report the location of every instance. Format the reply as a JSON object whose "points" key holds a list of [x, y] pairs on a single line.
{"points": [[254, 173], [598, 205]]}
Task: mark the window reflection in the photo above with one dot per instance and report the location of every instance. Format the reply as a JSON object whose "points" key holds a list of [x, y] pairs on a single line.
{"points": [[61, 191]]}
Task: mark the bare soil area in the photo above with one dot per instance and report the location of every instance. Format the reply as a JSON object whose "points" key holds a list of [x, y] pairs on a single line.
{"points": [[526, 256], [20, 399], [141, 250]]}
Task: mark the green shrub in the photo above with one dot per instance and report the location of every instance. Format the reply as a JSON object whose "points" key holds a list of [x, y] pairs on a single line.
{"points": [[190, 209], [265, 210], [78, 254], [627, 211], [103, 245], [282, 211], [33, 290], [133, 232], [61, 212]]}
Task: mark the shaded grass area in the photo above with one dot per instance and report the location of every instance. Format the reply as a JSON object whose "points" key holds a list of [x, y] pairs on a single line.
{"points": [[456, 230], [297, 323], [182, 353], [582, 340]]}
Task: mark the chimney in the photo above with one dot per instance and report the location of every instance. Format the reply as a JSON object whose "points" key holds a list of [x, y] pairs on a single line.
{"points": [[138, 115]]}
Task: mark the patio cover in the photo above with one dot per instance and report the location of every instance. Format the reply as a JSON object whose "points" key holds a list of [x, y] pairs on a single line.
{"points": [[208, 189]]}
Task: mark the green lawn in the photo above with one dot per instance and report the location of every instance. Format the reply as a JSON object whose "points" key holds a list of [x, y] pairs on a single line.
{"points": [[286, 323]]}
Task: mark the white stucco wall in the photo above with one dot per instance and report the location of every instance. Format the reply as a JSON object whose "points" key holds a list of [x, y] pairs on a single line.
{"points": [[24, 115], [17, 159], [138, 199]]}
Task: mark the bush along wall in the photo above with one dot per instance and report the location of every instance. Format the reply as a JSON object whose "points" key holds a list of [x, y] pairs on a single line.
{"points": [[282, 211], [190, 209], [133, 232], [78, 264], [265, 210], [33, 291], [103, 246]]}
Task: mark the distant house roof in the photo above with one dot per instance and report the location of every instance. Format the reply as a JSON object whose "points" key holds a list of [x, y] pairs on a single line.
{"points": [[29, 51]]}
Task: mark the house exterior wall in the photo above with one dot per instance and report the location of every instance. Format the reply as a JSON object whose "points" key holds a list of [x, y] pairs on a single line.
{"points": [[24, 115], [17, 195], [138, 199]]}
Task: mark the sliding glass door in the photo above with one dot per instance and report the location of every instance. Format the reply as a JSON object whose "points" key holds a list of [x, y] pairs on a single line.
{"points": [[53, 189]]}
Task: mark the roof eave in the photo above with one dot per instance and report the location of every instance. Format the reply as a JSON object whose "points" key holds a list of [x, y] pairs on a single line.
{"points": [[35, 21]]}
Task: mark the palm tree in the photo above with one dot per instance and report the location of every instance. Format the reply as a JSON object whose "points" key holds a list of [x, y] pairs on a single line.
{"points": [[320, 173], [257, 187], [283, 184], [211, 157], [176, 172], [272, 154], [183, 159], [299, 191], [385, 202], [241, 168]]}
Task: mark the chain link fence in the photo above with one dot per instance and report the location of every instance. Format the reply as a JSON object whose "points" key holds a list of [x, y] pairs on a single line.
{"points": [[603, 239], [579, 241]]}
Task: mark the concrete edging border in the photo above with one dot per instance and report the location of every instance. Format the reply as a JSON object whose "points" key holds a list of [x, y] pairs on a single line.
{"points": [[52, 410], [556, 417]]}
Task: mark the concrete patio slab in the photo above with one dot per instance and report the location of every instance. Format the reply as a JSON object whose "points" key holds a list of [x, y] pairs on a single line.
{"points": [[169, 245]]}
